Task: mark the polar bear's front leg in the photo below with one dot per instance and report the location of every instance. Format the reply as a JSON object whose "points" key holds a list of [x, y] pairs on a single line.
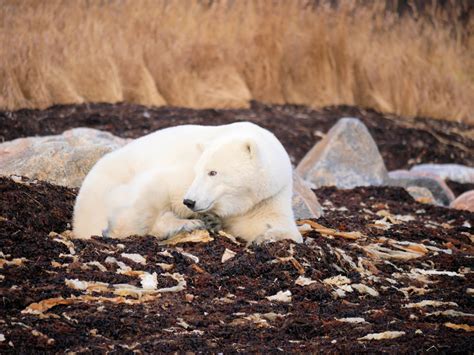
{"points": [[271, 220], [211, 221], [273, 235], [136, 218], [168, 225]]}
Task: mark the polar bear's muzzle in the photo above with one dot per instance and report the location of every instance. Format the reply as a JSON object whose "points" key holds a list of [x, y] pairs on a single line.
{"points": [[201, 195], [191, 204]]}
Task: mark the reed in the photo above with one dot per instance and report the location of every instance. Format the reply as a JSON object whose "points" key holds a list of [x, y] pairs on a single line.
{"points": [[222, 54]]}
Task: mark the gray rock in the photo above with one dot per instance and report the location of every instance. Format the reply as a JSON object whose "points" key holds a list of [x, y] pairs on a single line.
{"points": [[346, 157], [61, 159], [455, 172], [464, 201], [305, 202], [404, 178]]}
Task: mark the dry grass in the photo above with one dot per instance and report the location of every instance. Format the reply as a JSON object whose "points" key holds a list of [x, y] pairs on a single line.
{"points": [[190, 54]]}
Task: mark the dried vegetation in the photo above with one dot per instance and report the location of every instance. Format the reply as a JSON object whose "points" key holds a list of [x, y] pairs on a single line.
{"points": [[206, 292], [225, 53]]}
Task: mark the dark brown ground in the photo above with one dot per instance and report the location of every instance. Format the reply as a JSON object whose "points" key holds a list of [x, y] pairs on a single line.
{"points": [[223, 306], [212, 313]]}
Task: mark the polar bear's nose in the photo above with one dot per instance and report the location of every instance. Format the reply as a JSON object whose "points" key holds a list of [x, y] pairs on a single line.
{"points": [[189, 203]]}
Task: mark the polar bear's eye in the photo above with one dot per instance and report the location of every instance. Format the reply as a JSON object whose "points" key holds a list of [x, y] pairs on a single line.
{"points": [[212, 173]]}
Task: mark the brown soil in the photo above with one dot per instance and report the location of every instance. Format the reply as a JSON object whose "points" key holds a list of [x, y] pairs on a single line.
{"points": [[223, 306], [402, 142]]}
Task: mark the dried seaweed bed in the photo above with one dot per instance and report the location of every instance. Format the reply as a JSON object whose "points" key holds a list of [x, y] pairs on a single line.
{"points": [[384, 264]]}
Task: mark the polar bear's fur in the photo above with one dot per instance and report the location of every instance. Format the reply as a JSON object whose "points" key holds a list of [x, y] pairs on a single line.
{"points": [[139, 189]]}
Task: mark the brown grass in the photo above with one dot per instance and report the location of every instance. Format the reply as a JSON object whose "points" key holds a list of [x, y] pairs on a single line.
{"points": [[189, 53]]}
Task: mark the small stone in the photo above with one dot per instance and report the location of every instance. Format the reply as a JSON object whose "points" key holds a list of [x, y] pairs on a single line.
{"points": [[438, 188], [464, 201], [61, 159], [189, 297], [304, 201], [346, 157], [422, 195], [454, 172]]}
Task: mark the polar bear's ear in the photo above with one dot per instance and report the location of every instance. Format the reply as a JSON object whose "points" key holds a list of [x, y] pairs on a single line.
{"points": [[250, 147]]}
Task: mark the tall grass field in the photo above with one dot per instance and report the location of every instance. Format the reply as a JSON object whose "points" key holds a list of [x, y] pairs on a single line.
{"points": [[222, 54]]}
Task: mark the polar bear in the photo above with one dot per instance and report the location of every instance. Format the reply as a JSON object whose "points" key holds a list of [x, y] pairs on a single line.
{"points": [[170, 180]]}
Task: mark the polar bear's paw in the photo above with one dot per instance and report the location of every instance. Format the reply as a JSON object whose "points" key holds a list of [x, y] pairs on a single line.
{"points": [[272, 235], [212, 222], [169, 225], [190, 225]]}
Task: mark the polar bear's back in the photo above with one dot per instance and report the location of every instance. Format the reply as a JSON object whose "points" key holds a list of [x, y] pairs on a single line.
{"points": [[180, 144]]}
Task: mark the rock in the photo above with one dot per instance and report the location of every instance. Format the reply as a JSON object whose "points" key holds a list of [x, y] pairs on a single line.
{"points": [[346, 157], [464, 201], [438, 188], [305, 202], [60, 159], [454, 172], [422, 195]]}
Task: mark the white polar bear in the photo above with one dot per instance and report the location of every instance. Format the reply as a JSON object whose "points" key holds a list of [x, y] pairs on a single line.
{"points": [[163, 183]]}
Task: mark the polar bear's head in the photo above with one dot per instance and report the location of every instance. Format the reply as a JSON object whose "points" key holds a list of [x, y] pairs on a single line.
{"points": [[230, 178]]}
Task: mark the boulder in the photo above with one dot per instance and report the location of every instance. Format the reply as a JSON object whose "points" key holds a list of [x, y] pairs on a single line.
{"points": [[438, 188], [454, 172], [346, 157], [60, 159], [464, 201], [305, 202]]}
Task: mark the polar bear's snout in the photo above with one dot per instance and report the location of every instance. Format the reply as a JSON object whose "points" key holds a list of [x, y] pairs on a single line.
{"points": [[201, 195], [189, 203], [197, 204]]}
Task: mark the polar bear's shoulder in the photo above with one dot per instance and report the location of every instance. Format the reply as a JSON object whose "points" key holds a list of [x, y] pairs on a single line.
{"points": [[245, 127]]}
